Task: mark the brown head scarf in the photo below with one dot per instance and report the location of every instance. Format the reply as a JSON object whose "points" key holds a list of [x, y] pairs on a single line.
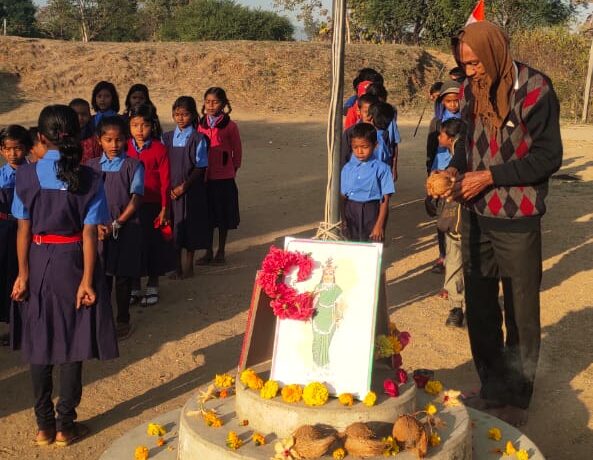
{"points": [[492, 94]]}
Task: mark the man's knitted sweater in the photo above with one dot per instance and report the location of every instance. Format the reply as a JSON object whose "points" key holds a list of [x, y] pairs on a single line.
{"points": [[521, 155]]}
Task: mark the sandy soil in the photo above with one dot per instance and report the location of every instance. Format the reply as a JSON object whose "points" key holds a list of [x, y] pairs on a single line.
{"points": [[197, 329]]}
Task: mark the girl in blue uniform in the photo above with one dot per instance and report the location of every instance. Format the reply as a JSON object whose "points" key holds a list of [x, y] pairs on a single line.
{"points": [[105, 101], [120, 243], [188, 159], [15, 143], [65, 315]]}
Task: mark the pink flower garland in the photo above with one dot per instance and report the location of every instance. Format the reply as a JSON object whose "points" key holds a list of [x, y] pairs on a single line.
{"points": [[286, 302]]}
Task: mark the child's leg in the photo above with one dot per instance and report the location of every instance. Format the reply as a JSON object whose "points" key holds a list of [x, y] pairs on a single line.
{"points": [[189, 264], [454, 282], [123, 287], [41, 375], [222, 234], [152, 291], [178, 274], [136, 291], [70, 394], [209, 252]]}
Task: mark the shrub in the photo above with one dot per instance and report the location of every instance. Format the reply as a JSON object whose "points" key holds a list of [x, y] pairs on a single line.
{"points": [[224, 20], [561, 55]]}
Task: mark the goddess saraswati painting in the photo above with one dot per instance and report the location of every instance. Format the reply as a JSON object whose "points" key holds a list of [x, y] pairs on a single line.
{"points": [[335, 346]]}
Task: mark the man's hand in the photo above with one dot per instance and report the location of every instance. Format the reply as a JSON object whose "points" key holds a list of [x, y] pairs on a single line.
{"points": [[471, 184]]}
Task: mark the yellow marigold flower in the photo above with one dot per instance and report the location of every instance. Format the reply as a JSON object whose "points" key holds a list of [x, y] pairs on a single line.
{"points": [[233, 441], [370, 399], [522, 455], [315, 394], [346, 399], [338, 454], [292, 393], [434, 439], [383, 347], [269, 390], [391, 447], [393, 328], [510, 449], [250, 379], [141, 453], [154, 429], [224, 381], [494, 434], [211, 419], [395, 344], [258, 439], [431, 409], [433, 387]]}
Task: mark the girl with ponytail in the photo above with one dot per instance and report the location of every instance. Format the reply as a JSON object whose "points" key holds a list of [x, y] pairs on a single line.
{"points": [[64, 315]]}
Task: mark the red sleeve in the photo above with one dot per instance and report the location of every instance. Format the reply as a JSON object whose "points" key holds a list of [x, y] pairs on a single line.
{"points": [[351, 117], [236, 145], [165, 177]]}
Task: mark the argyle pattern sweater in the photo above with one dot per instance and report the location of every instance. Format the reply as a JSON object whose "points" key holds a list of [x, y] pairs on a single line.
{"points": [[521, 155]]}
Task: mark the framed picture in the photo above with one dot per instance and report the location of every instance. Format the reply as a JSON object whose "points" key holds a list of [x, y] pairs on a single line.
{"points": [[336, 346]]}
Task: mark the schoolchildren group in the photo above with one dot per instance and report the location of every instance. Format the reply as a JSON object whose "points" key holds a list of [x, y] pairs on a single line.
{"points": [[92, 202]]}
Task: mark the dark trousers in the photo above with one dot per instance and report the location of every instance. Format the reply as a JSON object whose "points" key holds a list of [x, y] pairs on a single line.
{"points": [[360, 219], [69, 395], [506, 365], [123, 288], [441, 238]]}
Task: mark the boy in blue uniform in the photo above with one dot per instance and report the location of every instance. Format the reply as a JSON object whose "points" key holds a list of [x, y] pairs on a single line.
{"points": [[366, 185]]}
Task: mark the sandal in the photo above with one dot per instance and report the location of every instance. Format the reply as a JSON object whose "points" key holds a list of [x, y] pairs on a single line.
{"points": [[76, 433], [135, 297], [151, 297], [45, 437]]}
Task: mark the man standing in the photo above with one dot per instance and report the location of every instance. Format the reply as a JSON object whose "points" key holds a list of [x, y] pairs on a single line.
{"points": [[512, 147]]}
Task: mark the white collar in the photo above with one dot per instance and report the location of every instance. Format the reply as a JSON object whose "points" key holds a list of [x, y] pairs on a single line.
{"points": [[516, 76]]}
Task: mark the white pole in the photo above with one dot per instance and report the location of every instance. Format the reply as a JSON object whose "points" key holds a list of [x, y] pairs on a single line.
{"points": [[588, 86], [4, 26]]}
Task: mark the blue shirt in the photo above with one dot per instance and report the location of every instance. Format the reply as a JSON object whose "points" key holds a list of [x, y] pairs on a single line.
{"points": [[364, 181], [7, 176], [97, 213], [180, 138], [146, 144], [393, 130], [100, 115], [107, 165], [443, 157], [383, 151]]}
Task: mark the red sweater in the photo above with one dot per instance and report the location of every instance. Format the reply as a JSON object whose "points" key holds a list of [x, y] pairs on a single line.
{"points": [[157, 183], [224, 156]]}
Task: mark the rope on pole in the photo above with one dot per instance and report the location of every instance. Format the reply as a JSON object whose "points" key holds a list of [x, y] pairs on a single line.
{"points": [[330, 228]]}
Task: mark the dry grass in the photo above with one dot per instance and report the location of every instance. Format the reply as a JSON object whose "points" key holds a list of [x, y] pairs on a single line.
{"points": [[260, 76]]}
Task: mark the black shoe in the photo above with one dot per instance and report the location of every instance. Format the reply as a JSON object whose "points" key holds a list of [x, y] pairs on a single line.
{"points": [[455, 318]]}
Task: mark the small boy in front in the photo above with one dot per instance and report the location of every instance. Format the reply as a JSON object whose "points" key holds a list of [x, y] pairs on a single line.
{"points": [[366, 185]]}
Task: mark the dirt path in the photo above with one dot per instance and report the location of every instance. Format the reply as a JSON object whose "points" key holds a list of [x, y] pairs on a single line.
{"points": [[197, 329]]}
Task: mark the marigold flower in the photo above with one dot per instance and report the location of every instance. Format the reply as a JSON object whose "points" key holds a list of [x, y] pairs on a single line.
{"points": [[233, 441], [292, 393], [223, 394], [315, 394], [431, 409], [434, 439], [154, 429], [494, 434], [244, 422], [383, 347], [510, 449], [395, 345], [258, 439], [433, 387], [211, 418], [391, 447], [269, 390], [338, 454], [370, 399], [522, 455], [224, 381], [250, 379], [346, 399], [160, 442], [141, 453]]}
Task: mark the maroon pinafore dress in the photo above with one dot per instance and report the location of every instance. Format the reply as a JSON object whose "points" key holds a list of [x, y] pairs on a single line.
{"points": [[191, 228], [47, 327]]}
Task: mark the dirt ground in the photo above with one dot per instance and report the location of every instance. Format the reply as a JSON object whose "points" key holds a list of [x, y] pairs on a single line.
{"points": [[198, 327]]}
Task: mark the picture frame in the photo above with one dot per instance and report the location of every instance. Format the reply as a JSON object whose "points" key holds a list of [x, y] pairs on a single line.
{"points": [[336, 346]]}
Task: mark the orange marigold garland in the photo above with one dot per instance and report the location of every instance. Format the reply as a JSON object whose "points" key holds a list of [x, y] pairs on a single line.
{"points": [[286, 302]]}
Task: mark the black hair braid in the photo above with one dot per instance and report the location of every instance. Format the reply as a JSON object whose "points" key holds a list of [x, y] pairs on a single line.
{"points": [[59, 124]]}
